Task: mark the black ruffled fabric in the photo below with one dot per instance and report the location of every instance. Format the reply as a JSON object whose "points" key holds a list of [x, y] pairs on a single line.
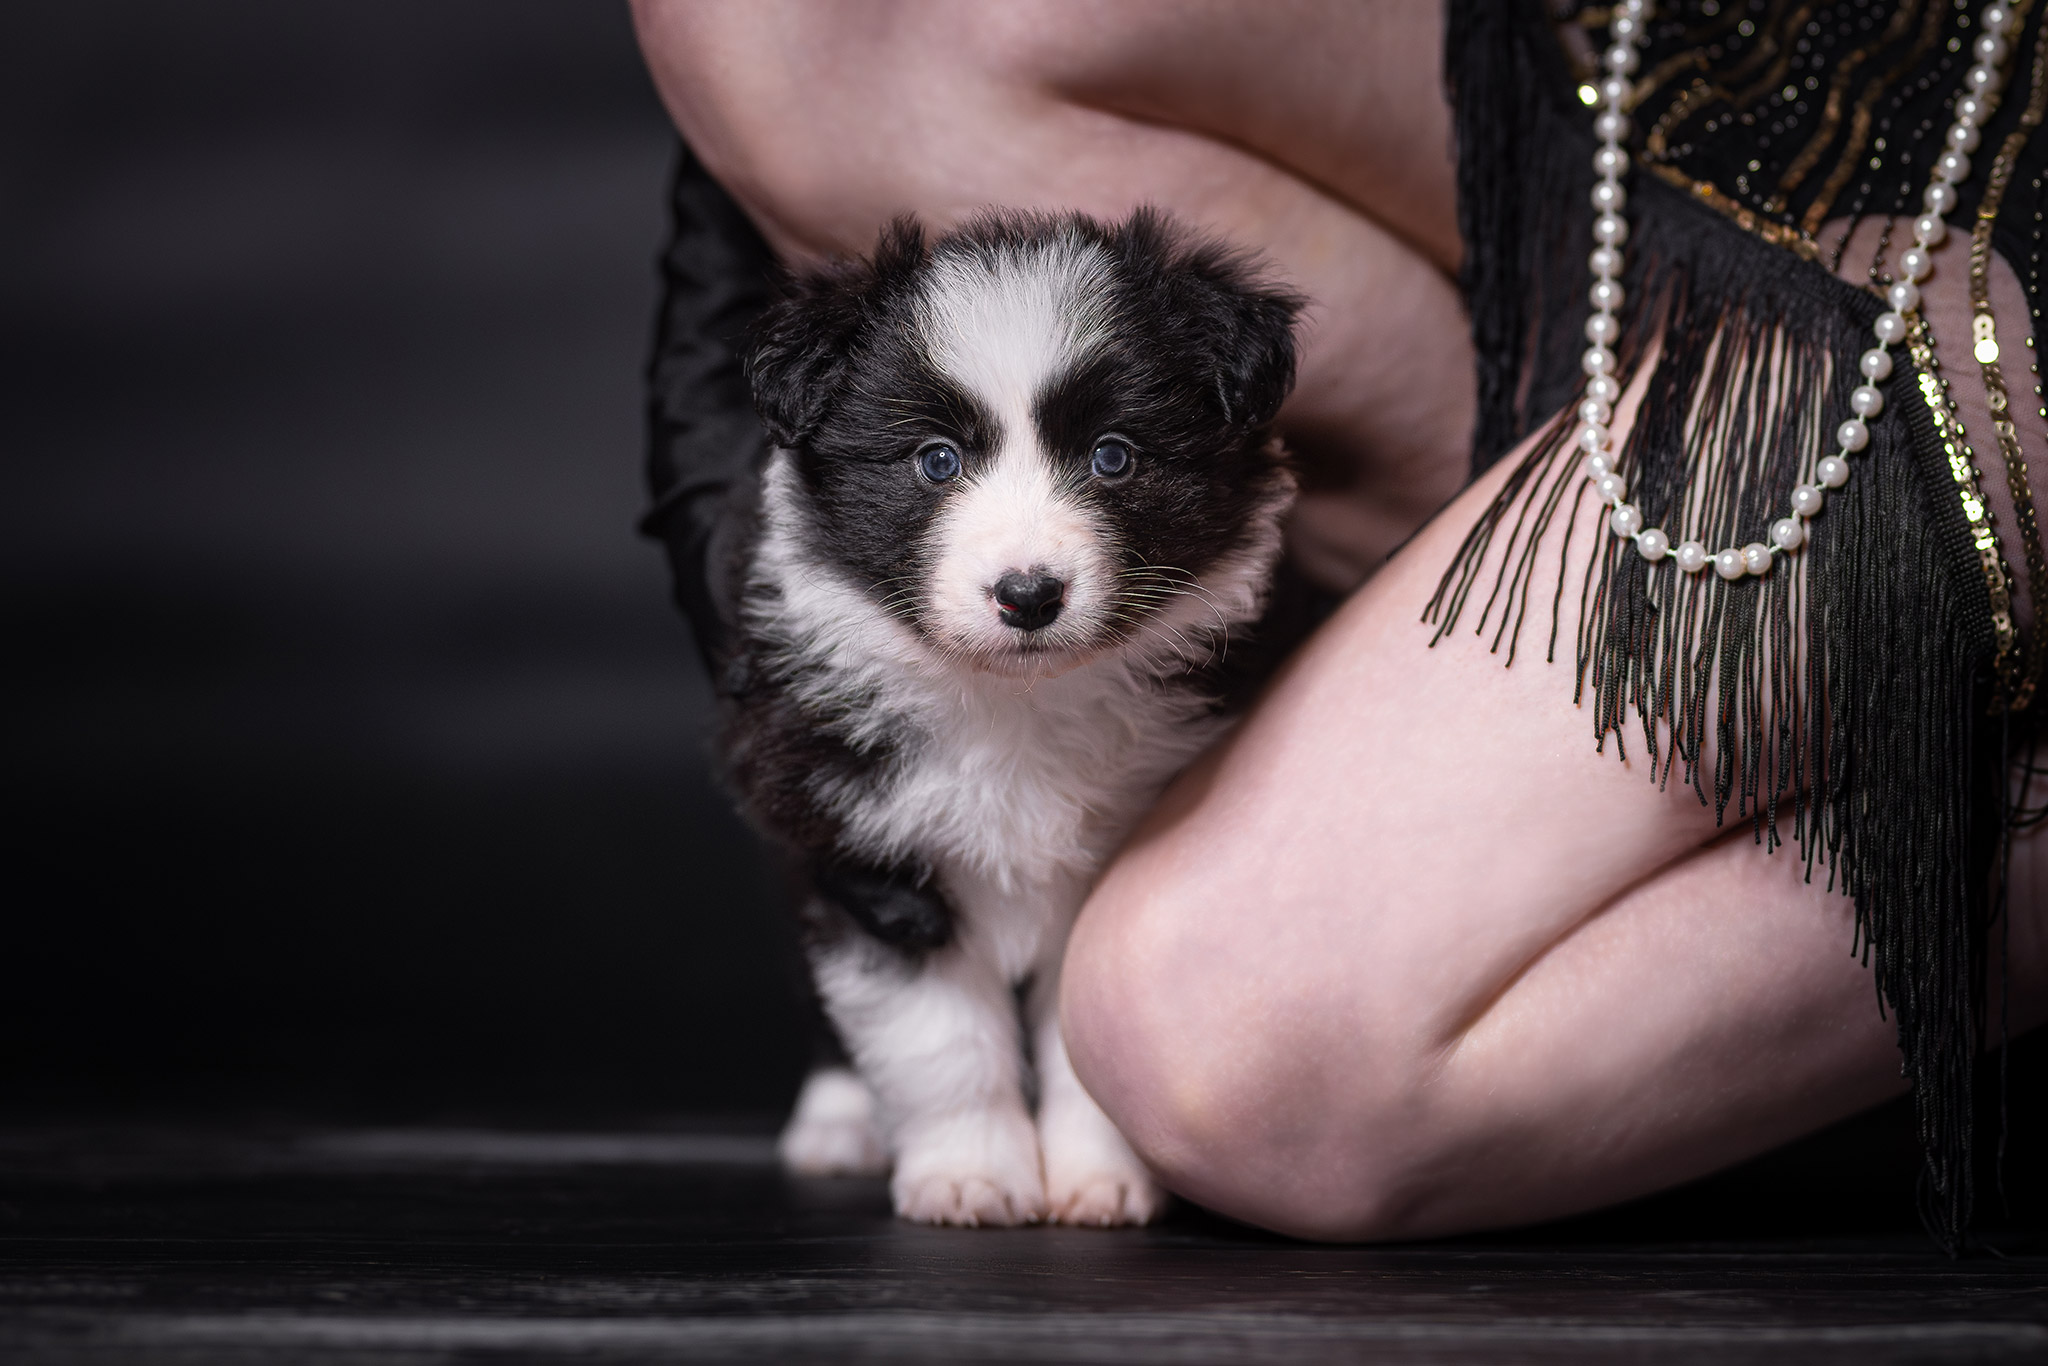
{"points": [[705, 446]]}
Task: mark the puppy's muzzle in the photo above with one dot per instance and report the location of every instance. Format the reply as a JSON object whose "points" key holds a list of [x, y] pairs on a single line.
{"points": [[1029, 601]]}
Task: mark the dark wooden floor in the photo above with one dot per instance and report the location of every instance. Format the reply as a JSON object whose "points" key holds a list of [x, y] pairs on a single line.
{"points": [[254, 1242]]}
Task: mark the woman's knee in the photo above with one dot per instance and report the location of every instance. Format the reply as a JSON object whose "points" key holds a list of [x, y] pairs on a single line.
{"points": [[1240, 1087]]}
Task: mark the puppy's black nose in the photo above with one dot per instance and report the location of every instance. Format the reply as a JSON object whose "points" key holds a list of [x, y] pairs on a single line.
{"points": [[1029, 601]]}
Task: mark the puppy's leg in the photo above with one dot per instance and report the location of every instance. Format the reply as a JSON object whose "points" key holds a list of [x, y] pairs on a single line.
{"points": [[834, 1130], [1091, 1175], [936, 1036]]}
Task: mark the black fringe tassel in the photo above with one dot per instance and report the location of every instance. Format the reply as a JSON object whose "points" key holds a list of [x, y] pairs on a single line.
{"points": [[1838, 698]]}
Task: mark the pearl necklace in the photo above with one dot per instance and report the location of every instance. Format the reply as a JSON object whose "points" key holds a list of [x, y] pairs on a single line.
{"points": [[1610, 231]]}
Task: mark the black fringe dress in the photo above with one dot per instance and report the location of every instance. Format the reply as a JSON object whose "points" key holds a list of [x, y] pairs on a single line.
{"points": [[1858, 709]]}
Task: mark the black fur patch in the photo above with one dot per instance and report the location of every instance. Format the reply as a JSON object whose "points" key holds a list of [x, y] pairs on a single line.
{"points": [[896, 905]]}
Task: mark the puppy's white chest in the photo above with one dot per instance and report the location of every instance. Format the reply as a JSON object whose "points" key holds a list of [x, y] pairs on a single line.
{"points": [[1024, 781], [1016, 792]]}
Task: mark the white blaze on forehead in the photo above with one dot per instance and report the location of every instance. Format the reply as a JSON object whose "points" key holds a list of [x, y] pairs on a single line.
{"points": [[1001, 322]]}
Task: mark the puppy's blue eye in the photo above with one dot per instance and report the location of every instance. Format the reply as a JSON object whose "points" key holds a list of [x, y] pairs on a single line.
{"points": [[1112, 459], [939, 463]]}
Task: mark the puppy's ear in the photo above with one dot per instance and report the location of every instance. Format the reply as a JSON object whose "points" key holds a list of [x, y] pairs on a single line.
{"points": [[802, 346], [1236, 321], [1253, 355]]}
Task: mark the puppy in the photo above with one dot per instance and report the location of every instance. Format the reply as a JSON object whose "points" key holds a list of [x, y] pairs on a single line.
{"points": [[1023, 500]]}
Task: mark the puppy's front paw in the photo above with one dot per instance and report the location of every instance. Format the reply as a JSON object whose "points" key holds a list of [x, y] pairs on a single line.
{"points": [[832, 1131], [978, 1170], [968, 1201], [1092, 1178], [1107, 1199]]}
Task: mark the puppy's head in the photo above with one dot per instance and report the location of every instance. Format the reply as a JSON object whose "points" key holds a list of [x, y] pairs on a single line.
{"points": [[1037, 439]]}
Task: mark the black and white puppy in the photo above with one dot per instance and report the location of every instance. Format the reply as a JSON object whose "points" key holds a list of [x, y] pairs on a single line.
{"points": [[1023, 498]]}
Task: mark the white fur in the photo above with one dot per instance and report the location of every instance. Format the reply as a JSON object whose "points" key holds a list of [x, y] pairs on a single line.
{"points": [[1001, 320], [833, 1131], [1015, 516], [1002, 323]]}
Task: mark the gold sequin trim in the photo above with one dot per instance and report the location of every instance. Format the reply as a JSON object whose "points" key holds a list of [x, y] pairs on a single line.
{"points": [[1748, 219], [1955, 447]]}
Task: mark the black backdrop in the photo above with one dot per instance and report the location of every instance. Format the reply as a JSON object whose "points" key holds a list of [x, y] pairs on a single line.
{"points": [[354, 757]]}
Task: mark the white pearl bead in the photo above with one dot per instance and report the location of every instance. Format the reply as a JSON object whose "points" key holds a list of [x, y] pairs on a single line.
{"points": [[1788, 533], [1608, 196], [1623, 26], [1915, 263], [1626, 521], [1953, 166], [1602, 328], [1598, 360], [1593, 437], [1929, 229], [1653, 545], [1995, 19], [1866, 401], [1596, 410], [1876, 363], [1963, 136], [1991, 49], [1605, 261], [1832, 471], [1972, 108], [1610, 230], [1610, 161], [1890, 328], [1610, 126], [1982, 80], [1613, 90], [1605, 295], [1807, 500], [1939, 197], [1756, 557], [1691, 557], [1597, 467], [1728, 564], [1852, 435], [1612, 488], [1606, 388], [1622, 58], [1903, 296]]}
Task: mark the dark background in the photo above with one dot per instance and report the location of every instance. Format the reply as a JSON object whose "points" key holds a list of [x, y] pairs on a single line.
{"points": [[355, 758]]}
